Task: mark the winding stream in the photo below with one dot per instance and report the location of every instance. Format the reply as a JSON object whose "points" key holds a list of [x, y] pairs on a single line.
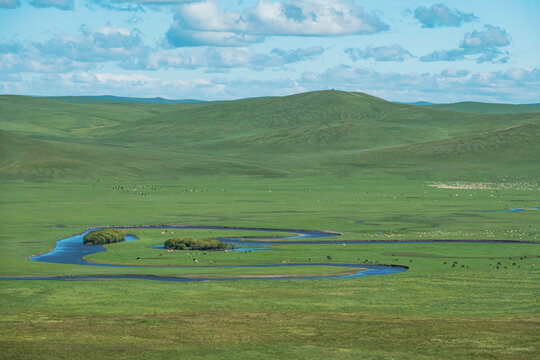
{"points": [[72, 250]]}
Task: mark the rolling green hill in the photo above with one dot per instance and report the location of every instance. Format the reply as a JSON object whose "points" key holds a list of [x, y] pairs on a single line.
{"points": [[108, 99], [486, 108], [34, 159], [324, 132], [50, 119]]}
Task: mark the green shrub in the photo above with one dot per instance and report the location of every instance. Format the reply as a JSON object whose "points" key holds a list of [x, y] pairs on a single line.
{"points": [[196, 244], [104, 236]]}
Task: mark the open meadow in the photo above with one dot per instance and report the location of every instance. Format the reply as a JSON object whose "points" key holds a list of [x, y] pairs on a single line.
{"points": [[411, 176]]}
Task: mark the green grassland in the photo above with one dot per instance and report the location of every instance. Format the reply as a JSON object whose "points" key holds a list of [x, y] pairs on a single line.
{"points": [[345, 162], [486, 108]]}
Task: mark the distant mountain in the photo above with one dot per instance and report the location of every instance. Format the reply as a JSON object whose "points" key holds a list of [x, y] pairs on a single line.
{"points": [[479, 107], [322, 132], [417, 103], [488, 108], [107, 99]]}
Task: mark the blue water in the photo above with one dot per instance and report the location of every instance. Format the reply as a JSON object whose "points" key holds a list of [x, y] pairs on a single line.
{"points": [[371, 270], [72, 250], [510, 210]]}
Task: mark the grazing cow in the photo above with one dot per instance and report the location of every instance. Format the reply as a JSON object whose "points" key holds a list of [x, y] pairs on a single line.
{"points": [[329, 257]]}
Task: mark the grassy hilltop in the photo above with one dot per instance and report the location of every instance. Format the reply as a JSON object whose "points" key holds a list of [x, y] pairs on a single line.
{"points": [[328, 160], [326, 132]]}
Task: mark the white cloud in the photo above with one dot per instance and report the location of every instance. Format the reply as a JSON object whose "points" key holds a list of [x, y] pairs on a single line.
{"points": [[286, 18], [9, 4], [380, 53], [180, 37], [131, 5], [223, 58], [484, 44], [519, 85], [67, 52], [439, 15], [59, 4]]}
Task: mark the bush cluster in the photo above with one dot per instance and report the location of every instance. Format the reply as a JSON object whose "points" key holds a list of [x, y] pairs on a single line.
{"points": [[196, 244], [104, 236]]}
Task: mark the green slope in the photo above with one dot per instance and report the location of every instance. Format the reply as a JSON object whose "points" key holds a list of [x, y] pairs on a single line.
{"points": [[304, 123], [487, 108], [513, 151], [328, 132], [108, 99], [35, 159], [49, 119]]}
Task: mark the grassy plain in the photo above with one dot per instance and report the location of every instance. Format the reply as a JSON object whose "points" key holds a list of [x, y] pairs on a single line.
{"points": [[429, 311], [416, 185]]}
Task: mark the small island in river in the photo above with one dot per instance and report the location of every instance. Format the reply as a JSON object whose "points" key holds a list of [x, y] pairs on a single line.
{"points": [[104, 236], [196, 244]]}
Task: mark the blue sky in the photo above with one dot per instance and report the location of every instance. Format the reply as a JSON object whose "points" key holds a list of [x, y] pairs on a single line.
{"points": [[399, 50]]}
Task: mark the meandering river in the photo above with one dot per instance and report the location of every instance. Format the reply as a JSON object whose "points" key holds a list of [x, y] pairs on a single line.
{"points": [[72, 250]]}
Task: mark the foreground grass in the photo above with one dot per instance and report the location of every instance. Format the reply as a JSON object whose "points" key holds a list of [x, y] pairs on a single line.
{"points": [[252, 335]]}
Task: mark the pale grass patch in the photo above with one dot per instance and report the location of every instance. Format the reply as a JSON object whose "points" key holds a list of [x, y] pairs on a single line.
{"points": [[510, 185]]}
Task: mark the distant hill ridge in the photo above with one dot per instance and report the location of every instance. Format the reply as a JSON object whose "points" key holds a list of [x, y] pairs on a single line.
{"points": [[322, 132], [106, 99]]}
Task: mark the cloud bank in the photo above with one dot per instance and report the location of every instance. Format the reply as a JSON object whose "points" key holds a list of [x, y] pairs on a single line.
{"points": [[9, 4], [92, 48], [203, 23], [482, 44], [439, 15], [59, 4], [380, 53]]}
